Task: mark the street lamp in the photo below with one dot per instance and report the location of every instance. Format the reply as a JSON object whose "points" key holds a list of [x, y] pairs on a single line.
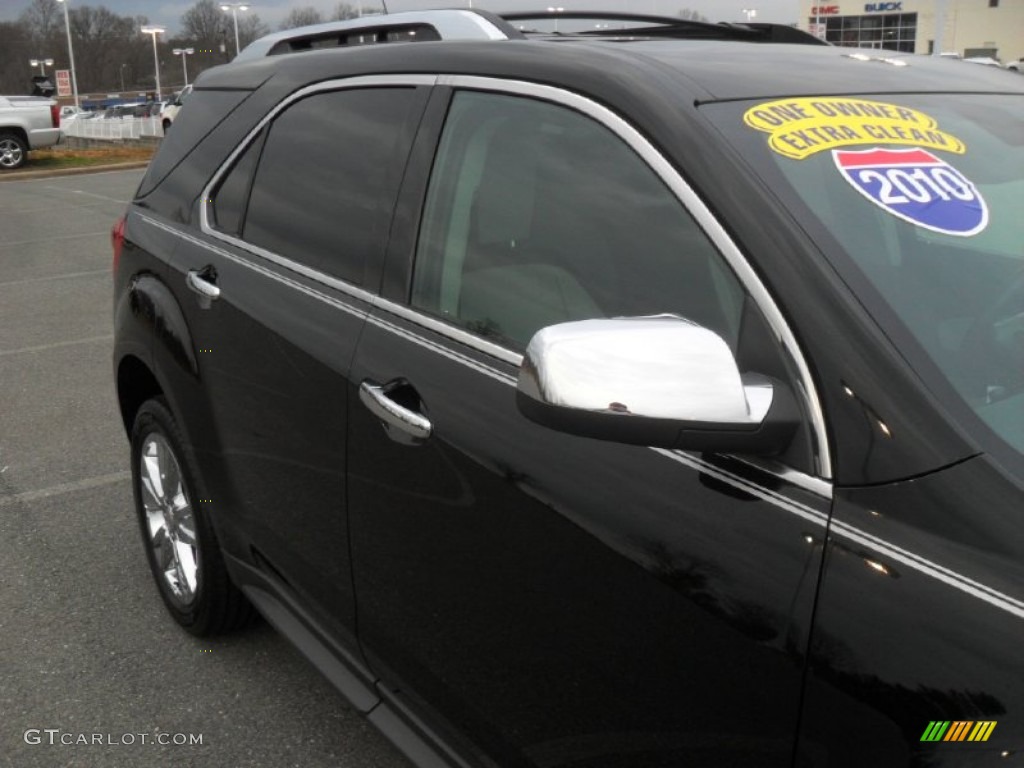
{"points": [[154, 31], [42, 64], [71, 51], [751, 13], [235, 8], [559, 9], [184, 53]]}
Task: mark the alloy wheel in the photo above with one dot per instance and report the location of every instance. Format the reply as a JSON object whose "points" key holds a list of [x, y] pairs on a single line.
{"points": [[170, 519]]}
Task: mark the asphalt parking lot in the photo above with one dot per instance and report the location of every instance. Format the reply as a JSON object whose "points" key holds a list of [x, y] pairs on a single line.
{"points": [[86, 650]]}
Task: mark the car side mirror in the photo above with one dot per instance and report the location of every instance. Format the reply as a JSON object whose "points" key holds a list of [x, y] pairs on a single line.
{"points": [[659, 381]]}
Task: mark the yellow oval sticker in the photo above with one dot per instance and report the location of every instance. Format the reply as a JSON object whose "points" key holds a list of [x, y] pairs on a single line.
{"points": [[799, 128]]}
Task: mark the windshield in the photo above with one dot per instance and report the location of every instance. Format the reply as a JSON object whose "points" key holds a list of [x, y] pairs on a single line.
{"points": [[924, 196]]}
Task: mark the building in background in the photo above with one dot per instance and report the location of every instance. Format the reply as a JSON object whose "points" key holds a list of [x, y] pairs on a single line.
{"points": [[968, 27]]}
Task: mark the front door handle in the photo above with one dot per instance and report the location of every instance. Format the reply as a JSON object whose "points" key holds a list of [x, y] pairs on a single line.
{"points": [[203, 282], [413, 426]]}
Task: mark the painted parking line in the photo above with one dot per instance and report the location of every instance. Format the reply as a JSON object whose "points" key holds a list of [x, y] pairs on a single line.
{"points": [[55, 345], [77, 177], [69, 276], [90, 194], [105, 233], [51, 207], [59, 490]]}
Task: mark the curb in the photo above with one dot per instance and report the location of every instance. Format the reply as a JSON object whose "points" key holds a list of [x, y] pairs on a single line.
{"points": [[51, 172]]}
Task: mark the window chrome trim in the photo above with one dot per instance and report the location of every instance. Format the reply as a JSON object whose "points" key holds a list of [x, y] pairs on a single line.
{"points": [[704, 218], [618, 126], [784, 473], [271, 274], [367, 81], [454, 332], [815, 485]]}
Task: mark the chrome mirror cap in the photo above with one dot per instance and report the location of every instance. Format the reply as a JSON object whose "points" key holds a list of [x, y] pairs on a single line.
{"points": [[662, 367], [660, 380]]}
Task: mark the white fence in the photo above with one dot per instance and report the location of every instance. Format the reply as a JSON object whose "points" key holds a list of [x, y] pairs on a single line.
{"points": [[114, 129]]}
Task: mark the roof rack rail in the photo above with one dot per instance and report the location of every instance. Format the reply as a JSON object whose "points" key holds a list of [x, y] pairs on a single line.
{"points": [[670, 27], [409, 26]]}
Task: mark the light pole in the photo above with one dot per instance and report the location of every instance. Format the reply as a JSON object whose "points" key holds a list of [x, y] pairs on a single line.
{"points": [[559, 9], [184, 53], [154, 31], [235, 8], [122, 78], [42, 64], [71, 52], [751, 13]]}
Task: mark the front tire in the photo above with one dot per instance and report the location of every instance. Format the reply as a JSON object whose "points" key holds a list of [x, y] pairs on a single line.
{"points": [[13, 151], [181, 546]]}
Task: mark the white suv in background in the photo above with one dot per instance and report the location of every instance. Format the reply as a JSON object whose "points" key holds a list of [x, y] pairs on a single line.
{"points": [[171, 110]]}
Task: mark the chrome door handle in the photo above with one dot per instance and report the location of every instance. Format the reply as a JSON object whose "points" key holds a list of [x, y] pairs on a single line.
{"points": [[198, 280], [413, 424]]}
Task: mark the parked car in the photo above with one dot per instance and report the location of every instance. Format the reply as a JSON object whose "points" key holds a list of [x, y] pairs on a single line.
{"points": [[120, 111], [621, 399], [26, 123], [988, 61], [154, 108], [170, 111], [1015, 65], [70, 113]]}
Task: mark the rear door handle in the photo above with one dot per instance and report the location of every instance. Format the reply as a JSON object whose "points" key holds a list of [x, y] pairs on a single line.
{"points": [[413, 426], [202, 282]]}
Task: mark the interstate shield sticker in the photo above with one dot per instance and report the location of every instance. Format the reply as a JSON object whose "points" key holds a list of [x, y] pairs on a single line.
{"points": [[916, 186]]}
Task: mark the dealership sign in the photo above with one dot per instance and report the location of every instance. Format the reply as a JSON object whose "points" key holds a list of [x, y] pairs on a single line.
{"points": [[63, 82], [882, 7]]}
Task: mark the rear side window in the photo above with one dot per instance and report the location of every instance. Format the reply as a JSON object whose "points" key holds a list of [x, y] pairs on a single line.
{"points": [[205, 110], [232, 195], [328, 178]]}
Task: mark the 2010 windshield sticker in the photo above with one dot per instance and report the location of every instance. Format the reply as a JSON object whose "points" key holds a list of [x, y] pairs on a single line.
{"points": [[799, 128], [916, 186]]}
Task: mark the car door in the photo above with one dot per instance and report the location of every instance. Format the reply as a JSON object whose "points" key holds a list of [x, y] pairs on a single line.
{"points": [[556, 599], [293, 230]]}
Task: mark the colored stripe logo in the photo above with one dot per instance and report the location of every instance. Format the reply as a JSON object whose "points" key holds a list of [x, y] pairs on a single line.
{"points": [[958, 730]]}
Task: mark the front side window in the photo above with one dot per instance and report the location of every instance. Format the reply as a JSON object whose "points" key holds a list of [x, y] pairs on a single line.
{"points": [[328, 177], [537, 215]]}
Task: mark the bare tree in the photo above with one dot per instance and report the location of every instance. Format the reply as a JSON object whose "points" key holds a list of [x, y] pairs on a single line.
{"points": [[15, 76], [689, 15], [103, 41], [204, 23], [43, 21], [344, 11], [301, 17], [250, 28]]}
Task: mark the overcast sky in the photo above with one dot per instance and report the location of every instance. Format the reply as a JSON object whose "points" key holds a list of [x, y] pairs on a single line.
{"points": [[169, 12]]}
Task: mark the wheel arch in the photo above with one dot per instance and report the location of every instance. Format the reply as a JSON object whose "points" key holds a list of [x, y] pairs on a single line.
{"points": [[15, 130], [136, 384]]}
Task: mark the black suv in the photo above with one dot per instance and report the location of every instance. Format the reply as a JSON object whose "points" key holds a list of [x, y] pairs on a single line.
{"points": [[651, 395]]}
